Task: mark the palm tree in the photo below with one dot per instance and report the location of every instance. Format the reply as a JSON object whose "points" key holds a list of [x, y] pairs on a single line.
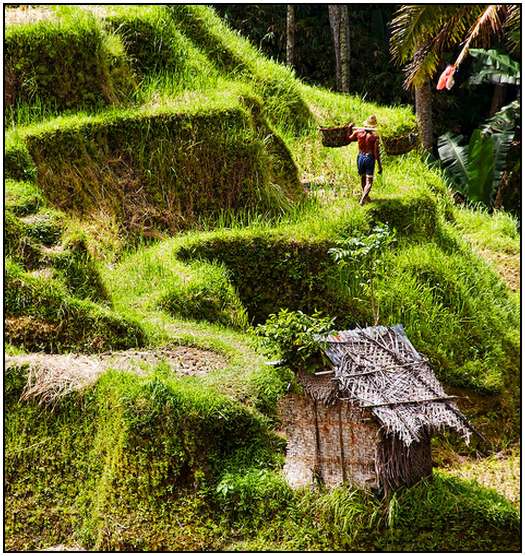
{"points": [[422, 33]]}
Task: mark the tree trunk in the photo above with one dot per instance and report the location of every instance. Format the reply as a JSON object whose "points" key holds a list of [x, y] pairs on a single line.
{"points": [[335, 26], [344, 46], [424, 114], [290, 35], [498, 98]]}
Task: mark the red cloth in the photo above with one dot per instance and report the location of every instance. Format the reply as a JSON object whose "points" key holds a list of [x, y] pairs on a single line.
{"points": [[446, 79]]}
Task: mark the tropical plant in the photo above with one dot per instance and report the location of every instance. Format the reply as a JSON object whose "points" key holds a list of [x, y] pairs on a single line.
{"points": [[476, 169], [363, 253], [421, 34], [294, 336], [494, 67]]}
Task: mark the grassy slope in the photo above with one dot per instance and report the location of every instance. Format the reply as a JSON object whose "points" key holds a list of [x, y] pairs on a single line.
{"points": [[449, 301]]}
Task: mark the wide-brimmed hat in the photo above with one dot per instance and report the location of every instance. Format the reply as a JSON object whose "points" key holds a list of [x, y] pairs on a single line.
{"points": [[371, 121]]}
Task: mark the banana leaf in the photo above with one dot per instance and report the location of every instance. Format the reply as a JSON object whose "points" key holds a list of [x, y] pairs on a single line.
{"points": [[455, 159], [480, 185], [494, 67], [502, 143]]}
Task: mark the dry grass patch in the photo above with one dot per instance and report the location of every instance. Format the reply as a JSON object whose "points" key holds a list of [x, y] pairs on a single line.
{"points": [[51, 377], [500, 471]]}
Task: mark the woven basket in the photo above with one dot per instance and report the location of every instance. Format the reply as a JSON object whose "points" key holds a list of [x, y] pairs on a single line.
{"points": [[400, 145], [335, 136]]}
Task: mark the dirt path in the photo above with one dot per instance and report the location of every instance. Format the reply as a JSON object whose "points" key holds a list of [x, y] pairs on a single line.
{"points": [[52, 376]]}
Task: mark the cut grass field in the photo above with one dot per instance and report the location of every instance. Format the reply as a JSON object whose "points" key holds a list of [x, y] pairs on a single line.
{"points": [[163, 462]]}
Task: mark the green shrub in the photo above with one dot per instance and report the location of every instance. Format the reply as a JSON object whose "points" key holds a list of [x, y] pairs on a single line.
{"points": [[208, 295], [252, 498], [293, 336]]}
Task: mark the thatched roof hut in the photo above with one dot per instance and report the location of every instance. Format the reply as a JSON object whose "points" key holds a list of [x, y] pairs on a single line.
{"points": [[384, 387]]}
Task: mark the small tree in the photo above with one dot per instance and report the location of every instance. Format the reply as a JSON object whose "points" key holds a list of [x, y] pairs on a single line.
{"points": [[363, 254]]}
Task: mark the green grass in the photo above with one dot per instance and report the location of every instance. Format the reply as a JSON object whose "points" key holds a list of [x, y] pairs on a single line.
{"points": [[42, 316], [437, 515], [144, 451], [496, 232], [63, 62], [156, 167], [216, 138]]}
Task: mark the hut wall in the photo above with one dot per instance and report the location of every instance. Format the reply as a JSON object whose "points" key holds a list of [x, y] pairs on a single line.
{"points": [[331, 443], [400, 465]]}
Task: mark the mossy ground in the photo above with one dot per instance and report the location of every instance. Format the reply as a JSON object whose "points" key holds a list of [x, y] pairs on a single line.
{"points": [[164, 463]]}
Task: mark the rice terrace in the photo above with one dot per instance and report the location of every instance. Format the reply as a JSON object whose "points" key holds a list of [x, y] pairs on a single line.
{"points": [[262, 277]]}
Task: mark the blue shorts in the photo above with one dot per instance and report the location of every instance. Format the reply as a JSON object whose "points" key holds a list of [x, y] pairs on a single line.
{"points": [[365, 164]]}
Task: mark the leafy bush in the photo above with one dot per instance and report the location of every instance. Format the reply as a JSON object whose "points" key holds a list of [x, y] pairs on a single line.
{"points": [[364, 256], [293, 336], [253, 497]]}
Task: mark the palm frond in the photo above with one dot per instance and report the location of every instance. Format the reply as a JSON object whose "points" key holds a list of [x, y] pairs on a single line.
{"points": [[487, 25], [418, 71], [455, 159], [413, 26], [424, 33], [512, 28], [506, 119], [454, 27]]}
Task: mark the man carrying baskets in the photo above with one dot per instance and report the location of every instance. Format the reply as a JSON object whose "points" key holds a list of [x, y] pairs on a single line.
{"points": [[368, 143]]}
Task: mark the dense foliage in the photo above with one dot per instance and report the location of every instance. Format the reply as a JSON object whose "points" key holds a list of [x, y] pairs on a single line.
{"points": [[196, 135]]}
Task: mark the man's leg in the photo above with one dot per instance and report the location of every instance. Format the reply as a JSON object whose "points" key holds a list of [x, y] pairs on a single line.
{"points": [[366, 189]]}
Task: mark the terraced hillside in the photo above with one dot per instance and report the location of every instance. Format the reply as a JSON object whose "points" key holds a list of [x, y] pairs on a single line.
{"points": [[167, 191]]}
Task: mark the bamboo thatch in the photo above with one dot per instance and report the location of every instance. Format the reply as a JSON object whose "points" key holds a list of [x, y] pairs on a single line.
{"points": [[379, 369]]}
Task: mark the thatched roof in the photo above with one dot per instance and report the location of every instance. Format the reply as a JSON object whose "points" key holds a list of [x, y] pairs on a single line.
{"points": [[379, 369]]}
